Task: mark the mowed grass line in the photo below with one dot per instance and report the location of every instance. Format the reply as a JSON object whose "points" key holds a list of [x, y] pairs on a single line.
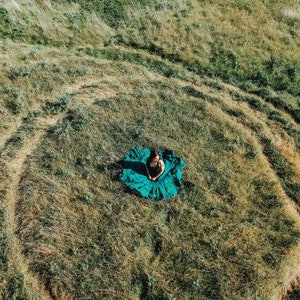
{"points": [[131, 245], [258, 98], [18, 282], [285, 167]]}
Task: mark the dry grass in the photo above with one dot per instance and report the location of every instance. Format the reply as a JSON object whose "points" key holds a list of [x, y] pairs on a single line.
{"points": [[57, 24], [77, 95], [143, 237], [192, 30]]}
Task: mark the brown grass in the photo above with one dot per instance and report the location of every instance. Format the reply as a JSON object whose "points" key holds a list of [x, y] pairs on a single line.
{"points": [[70, 229]]}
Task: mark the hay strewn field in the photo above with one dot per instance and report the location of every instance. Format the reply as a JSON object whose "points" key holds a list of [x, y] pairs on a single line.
{"points": [[82, 82]]}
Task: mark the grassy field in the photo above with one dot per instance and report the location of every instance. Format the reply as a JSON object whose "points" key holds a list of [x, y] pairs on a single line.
{"points": [[82, 82]]}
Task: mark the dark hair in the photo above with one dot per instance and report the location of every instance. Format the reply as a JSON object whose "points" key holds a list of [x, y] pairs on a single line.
{"points": [[153, 154]]}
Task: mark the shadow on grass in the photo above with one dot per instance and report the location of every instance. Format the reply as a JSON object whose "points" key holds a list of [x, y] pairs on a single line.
{"points": [[112, 169], [187, 185]]}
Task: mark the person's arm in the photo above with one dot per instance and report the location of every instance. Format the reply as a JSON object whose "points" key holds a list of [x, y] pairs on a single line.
{"points": [[162, 168]]}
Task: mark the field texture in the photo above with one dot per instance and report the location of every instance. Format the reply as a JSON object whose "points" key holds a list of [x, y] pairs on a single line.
{"points": [[82, 82]]}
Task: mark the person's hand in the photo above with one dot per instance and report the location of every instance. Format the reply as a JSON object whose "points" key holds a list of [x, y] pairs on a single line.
{"points": [[149, 177], [154, 178]]}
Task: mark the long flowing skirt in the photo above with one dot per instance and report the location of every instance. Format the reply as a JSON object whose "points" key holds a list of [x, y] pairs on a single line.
{"points": [[134, 174]]}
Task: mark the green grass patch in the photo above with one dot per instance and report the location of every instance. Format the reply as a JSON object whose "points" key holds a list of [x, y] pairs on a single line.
{"points": [[279, 75], [293, 295], [58, 106], [7, 28], [113, 12], [153, 64]]}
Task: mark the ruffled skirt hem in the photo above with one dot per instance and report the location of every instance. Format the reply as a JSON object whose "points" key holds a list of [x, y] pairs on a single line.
{"points": [[134, 174]]}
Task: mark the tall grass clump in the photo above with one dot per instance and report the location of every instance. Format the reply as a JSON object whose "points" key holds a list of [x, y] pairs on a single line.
{"points": [[113, 12], [7, 28], [293, 294], [53, 24]]}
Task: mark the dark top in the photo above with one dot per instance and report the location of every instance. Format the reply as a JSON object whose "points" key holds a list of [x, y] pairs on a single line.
{"points": [[153, 171]]}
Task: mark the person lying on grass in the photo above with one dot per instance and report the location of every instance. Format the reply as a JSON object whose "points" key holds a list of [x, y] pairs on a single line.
{"points": [[154, 166]]}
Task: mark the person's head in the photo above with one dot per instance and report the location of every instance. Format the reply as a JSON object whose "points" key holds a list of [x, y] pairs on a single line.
{"points": [[153, 158]]}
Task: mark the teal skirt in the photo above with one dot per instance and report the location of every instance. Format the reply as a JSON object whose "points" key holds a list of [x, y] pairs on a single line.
{"points": [[134, 174]]}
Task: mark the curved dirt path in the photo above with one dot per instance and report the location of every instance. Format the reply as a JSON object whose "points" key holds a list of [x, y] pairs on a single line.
{"points": [[14, 170], [14, 159]]}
